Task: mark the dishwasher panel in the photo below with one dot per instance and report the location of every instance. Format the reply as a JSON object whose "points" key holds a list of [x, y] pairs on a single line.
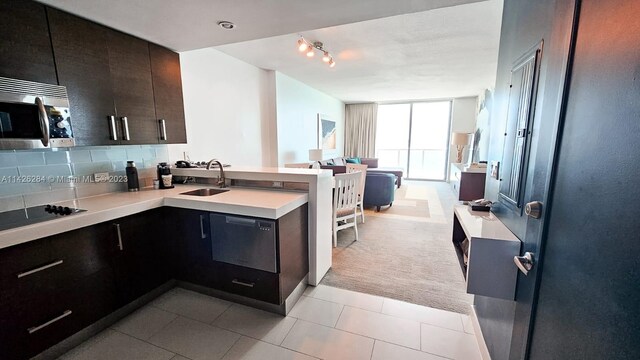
{"points": [[244, 241]]}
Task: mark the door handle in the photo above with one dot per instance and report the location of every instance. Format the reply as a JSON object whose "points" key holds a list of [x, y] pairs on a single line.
{"points": [[125, 128], [202, 233], [163, 129], [113, 132], [119, 233], [44, 122], [524, 263]]}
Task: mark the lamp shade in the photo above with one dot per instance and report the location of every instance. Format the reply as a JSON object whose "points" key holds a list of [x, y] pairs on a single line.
{"points": [[315, 154], [460, 138]]}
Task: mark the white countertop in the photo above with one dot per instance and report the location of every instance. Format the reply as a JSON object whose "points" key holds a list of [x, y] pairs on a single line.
{"points": [[256, 173], [482, 224], [270, 204]]}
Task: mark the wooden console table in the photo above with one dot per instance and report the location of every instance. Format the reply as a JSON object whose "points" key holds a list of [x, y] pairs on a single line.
{"points": [[468, 183], [487, 265]]}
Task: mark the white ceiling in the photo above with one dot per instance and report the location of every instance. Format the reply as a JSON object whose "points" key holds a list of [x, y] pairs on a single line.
{"points": [[192, 24], [385, 50], [442, 53]]}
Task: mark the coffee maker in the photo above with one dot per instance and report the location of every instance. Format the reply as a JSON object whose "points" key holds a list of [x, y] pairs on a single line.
{"points": [[164, 176]]}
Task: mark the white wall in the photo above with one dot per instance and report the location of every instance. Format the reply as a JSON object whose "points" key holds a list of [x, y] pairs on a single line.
{"points": [[229, 110], [297, 108], [463, 119]]}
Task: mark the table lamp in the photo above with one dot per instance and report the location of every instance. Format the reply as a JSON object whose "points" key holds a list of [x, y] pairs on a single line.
{"points": [[460, 140]]}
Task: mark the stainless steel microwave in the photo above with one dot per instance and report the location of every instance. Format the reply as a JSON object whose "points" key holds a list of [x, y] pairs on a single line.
{"points": [[34, 115]]}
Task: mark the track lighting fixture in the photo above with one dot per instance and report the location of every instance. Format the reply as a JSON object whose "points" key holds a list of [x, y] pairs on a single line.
{"points": [[309, 49]]}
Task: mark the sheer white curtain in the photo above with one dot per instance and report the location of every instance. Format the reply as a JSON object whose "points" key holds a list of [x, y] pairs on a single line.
{"points": [[360, 130]]}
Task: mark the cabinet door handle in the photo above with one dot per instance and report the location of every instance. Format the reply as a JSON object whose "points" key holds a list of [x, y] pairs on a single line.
{"points": [[202, 233], [113, 132], [31, 330], [125, 128], [44, 267], [163, 129], [120, 246], [238, 282], [44, 122]]}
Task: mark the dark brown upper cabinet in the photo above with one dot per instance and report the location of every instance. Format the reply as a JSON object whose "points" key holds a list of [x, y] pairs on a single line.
{"points": [[132, 88], [119, 86], [82, 60], [25, 47], [167, 93]]}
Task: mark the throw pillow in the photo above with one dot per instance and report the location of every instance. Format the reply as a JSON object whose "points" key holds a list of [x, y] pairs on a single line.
{"points": [[355, 160], [330, 162]]}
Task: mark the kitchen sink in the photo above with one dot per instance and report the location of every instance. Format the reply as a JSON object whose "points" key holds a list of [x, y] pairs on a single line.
{"points": [[204, 192]]}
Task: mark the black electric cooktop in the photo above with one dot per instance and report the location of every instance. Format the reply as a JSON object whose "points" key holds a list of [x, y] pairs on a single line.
{"points": [[32, 215]]}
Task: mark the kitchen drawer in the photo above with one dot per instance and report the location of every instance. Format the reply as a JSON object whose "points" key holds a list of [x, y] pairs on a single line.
{"points": [[30, 326], [251, 283], [26, 266]]}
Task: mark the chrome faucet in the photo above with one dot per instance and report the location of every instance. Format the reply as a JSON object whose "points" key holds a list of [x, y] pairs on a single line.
{"points": [[221, 182]]}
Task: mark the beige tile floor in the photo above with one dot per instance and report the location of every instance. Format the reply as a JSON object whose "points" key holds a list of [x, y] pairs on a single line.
{"points": [[327, 323]]}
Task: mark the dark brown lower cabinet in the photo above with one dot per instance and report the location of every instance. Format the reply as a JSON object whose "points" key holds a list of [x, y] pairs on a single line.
{"points": [[54, 287], [142, 261], [196, 265]]}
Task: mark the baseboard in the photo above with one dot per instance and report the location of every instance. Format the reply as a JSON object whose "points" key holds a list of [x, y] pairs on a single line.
{"points": [[484, 350]]}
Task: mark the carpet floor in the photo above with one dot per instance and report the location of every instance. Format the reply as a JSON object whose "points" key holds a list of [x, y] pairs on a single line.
{"points": [[404, 252]]}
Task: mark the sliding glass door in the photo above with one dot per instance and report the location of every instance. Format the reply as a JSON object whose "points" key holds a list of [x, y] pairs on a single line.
{"points": [[415, 137]]}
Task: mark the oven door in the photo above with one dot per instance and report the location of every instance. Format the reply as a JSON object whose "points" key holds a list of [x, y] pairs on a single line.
{"points": [[24, 124]]}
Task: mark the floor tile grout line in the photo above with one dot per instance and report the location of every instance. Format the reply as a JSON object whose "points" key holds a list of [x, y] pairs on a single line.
{"points": [[148, 343], [231, 347], [338, 319], [373, 348], [288, 332]]}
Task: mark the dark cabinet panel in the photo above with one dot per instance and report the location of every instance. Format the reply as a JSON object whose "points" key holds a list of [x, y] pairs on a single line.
{"points": [[193, 242], [132, 87], [143, 260], [167, 93], [82, 61], [25, 47], [52, 288]]}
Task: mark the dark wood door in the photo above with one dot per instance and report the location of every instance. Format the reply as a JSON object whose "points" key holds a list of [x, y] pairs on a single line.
{"points": [[167, 92], [193, 241], [589, 296], [132, 87], [82, 61], [25, 46], [144, 258]]}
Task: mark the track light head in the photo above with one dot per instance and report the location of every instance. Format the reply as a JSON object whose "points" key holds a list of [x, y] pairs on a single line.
{"points": [[302, 45], [310, 52], [326, 57], [332, 63]]}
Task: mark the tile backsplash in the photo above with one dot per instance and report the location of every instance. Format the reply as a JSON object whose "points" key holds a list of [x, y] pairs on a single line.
{"points": [[36, 177]]}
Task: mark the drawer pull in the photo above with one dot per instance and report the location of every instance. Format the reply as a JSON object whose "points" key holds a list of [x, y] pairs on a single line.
{"points": [[31, 330], [44, 267], [238, 282]]}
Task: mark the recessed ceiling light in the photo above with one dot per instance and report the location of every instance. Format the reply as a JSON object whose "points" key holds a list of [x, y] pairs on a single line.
{"points": [[227, 25]]}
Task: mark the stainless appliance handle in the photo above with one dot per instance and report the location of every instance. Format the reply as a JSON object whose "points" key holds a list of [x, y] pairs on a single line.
{"points": [[31, 330], [202, 234], [240, 221], [163, 129], [44, 267], [238, 282], [113, 132], [125, 128], [120, 246], [44, 121]]}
